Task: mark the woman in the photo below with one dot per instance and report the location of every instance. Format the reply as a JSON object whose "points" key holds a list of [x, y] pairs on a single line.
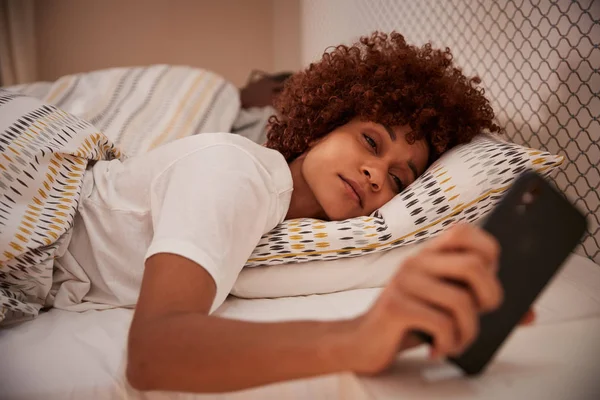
{"points": [[175, 226]]}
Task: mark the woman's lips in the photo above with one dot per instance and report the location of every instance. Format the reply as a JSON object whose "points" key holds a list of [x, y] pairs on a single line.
{"points": [[353, 190]]}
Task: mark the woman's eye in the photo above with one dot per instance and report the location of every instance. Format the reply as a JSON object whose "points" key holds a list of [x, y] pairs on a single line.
{"points": [[371, 142], [399, 184]]}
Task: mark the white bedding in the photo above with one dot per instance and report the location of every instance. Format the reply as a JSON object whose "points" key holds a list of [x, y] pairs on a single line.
{"points": [[63, 355]]}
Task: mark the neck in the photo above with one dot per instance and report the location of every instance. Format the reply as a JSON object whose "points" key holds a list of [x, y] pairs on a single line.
{"points": [[303, 203]]}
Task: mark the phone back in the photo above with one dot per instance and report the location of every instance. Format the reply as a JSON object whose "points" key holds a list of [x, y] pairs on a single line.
{"points": [[537, 229]]}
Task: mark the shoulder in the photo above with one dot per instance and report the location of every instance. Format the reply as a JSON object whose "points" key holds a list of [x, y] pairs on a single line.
{"points": [[239, 144], [225, 152]]}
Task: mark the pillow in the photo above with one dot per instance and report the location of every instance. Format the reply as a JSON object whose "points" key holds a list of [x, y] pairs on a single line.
{"points": [[464, 184], [320, 277]]}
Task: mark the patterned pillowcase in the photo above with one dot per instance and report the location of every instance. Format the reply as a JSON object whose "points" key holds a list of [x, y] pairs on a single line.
{"points": [[463, 185]]}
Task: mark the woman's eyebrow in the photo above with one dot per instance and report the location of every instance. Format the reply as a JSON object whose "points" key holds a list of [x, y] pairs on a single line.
{"points": [[390, 132]]}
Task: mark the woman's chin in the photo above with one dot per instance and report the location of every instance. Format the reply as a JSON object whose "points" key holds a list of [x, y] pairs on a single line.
{"points": [[340, 214]]}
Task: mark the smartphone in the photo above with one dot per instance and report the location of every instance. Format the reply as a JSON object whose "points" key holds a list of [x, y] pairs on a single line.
{"points": [[537, 228]]}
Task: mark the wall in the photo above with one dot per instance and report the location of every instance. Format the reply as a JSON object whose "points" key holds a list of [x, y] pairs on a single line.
{"points": [[538, 61], [230, 37], [286, 35]]}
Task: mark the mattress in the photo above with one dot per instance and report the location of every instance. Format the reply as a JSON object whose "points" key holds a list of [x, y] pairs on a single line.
{"points": [[64, 355]]}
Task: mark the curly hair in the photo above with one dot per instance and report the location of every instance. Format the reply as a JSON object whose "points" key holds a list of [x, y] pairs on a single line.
{"points": [[381, 79]]}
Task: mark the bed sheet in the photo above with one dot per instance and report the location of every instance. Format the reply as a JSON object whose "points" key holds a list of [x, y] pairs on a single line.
{"points": [[557, 361], [63, 355]]}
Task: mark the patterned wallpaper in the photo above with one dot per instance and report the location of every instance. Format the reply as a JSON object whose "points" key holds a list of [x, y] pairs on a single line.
{"points": [[539, 61]]}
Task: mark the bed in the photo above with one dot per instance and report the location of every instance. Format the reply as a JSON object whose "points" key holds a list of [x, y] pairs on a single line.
{"points": [[64, 355]]}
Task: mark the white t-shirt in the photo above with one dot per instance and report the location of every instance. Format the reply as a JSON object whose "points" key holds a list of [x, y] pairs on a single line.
{"points": [[208, 198]]}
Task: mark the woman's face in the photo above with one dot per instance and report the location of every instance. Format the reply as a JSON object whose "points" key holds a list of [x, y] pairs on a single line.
{"points": [[359, 167]]}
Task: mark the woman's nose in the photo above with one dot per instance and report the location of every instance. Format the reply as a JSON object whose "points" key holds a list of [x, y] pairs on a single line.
{"points": [[373, 178]]}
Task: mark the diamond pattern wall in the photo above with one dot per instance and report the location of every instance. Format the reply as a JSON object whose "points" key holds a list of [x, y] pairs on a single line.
{"points": [[539, 61]]}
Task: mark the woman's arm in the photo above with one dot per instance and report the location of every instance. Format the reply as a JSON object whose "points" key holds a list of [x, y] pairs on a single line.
{"points": [[175, 345]]}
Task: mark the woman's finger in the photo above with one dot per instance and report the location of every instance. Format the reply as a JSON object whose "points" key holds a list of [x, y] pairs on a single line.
{"points": [[415, 316], [450, 298], [409, 341], [467, 269], [470, 238], [528, 318]]}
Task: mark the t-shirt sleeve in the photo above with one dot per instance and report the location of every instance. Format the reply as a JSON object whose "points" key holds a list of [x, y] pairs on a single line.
{"points": [[211, 207]]}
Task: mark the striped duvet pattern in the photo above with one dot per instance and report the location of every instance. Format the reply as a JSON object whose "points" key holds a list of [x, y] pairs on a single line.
{"points": [[45, 148], [141, 108], [44, 152]]}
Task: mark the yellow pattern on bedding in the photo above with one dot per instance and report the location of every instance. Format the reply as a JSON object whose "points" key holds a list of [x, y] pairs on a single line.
{"points": [[141, 108], [44, 152]]}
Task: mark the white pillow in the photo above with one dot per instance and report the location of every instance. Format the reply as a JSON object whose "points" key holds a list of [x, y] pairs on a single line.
{"points": [[464, 184], [319, 277]]}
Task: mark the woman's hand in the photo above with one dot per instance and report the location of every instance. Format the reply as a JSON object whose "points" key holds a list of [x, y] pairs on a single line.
{"points": [[441, 291]]}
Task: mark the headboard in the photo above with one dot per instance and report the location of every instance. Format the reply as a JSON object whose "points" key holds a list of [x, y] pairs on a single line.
{"points": [[539, 61]]}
